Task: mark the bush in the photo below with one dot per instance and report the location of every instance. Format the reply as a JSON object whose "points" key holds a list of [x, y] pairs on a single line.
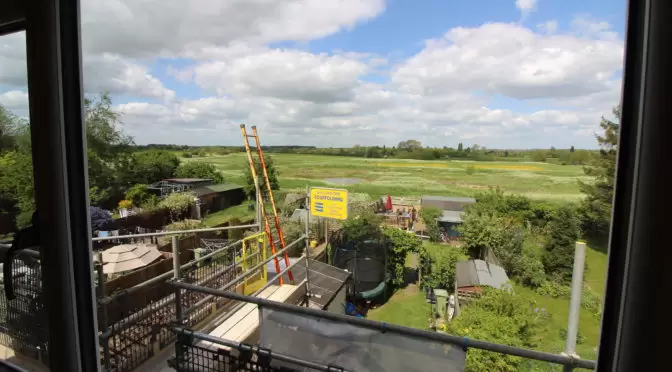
{"points": [[440, 273], [504, 318], [430, 216], [591, 301], [401, 244], [178, 203], [470, 170], [553, 289], [558, 258], [186, 155], [100, 219], [138, 194], [529, 271], [125, 204]]}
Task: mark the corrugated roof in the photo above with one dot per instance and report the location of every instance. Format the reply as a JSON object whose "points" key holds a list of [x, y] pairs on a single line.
{"points": [[459, 199], [451, 216], [479, 273]]}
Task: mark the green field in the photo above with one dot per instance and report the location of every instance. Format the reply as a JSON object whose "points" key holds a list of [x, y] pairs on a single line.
{"points": [[415, 177]]}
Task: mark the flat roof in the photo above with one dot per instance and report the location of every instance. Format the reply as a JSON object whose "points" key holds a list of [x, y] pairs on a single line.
{"points": [[451, 216]]}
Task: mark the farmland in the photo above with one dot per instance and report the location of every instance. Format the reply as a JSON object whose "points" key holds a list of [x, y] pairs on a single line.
{"points": [[398, 177]]}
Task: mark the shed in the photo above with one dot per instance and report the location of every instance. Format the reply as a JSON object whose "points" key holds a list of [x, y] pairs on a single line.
{"points": [[190, 181], [450, 203], [472, 275], [217, 197]]}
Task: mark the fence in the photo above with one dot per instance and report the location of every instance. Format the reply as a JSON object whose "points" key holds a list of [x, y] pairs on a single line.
{"points": [[23, 324]]}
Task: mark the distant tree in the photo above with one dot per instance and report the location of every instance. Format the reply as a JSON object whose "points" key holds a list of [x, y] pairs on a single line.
{"points": [[571, 149], [147, 167], [199, 169], [460, 148], [272, 177], [558, 257], [409, 145], [595, 209]]}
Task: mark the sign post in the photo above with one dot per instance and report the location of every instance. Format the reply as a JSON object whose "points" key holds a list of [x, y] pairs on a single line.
{"points": [[329, 203]]}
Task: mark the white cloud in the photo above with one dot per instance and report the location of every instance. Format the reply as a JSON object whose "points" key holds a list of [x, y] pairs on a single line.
{"points": [[498, 85], [511, 60], [176, 27], [16, 101], [548, 27], [526, 7], [285, 74]]}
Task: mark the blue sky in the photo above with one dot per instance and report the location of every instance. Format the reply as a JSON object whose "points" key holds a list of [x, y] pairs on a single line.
{"points": [[498, 73]]}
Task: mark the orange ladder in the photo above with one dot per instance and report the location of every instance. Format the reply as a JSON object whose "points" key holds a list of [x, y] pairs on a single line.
{"points": [[264, 216]]}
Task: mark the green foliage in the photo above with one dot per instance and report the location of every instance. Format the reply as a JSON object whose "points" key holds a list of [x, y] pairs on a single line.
{"points": [[178, 203], [595, 209], [470, 170], [16, 186], [184, 225], [591, 301], [402, 244], [138, 194], [186, 155], [147, 167], [272, 177], [554, 289], [558, 258], [430, 215], [486, 233], [500, 317], [125, 204], [292, 230], [497, 203], [438, 266], [362, 227], [528, 270], [198, 169]]}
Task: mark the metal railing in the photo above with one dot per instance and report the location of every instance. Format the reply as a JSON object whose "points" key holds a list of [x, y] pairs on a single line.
{"points": [[463, 342], [232, 356]]}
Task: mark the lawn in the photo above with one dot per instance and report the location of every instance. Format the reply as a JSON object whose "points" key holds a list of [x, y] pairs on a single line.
{"points": [[414, 177], [406, 308], [240, 212]]}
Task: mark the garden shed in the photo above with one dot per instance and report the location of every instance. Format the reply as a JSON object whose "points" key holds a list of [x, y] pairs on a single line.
{"points": [[217, 197], [452, 208], [472, 275]]}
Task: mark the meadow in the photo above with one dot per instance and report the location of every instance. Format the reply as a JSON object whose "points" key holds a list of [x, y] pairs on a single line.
{"points": [[541, 181]]}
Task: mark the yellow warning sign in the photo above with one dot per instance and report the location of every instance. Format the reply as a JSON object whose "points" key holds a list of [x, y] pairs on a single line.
{"points": [[329, 203]]}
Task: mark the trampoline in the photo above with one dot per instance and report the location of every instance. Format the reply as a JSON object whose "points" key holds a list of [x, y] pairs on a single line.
{"points": [[366, 260]]}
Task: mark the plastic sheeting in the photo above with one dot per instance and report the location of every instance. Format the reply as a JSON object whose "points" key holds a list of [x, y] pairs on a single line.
{"points": [[352, 347]]}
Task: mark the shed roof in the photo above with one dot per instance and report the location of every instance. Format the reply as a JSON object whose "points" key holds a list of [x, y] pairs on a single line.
{"points": [[459, 199], [212, 189], [451, 216], [479, 273]]}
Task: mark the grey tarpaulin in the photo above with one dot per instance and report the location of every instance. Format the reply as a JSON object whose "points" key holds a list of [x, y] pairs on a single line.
{"points": [[354, 348]]}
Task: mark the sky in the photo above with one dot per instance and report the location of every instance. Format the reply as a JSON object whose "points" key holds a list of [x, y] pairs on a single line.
{"points": [[330, 73]]}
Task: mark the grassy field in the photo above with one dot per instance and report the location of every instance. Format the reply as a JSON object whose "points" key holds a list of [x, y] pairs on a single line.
{"points": [[415, 177]]}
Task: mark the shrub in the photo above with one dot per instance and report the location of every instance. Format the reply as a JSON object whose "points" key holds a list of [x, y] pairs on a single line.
{"points": [[591, 301], [470, 170], [401, 244], [178, 203], [100, 218], [440, 273], [186, 155], [125, 204], [138, 194], [558, 258], [430, 215], [504, 318], [529, 271], [553, 289]]}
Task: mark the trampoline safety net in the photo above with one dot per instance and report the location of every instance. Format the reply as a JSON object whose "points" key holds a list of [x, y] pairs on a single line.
{"points": [[352, 347]]}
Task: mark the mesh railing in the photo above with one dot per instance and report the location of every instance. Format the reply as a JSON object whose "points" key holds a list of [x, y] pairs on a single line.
{"points": [[132, 336], [203, 353], [23, 320]]}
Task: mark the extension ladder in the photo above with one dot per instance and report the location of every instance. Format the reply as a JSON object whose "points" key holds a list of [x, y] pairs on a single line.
{"points": [[260, 199]]}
